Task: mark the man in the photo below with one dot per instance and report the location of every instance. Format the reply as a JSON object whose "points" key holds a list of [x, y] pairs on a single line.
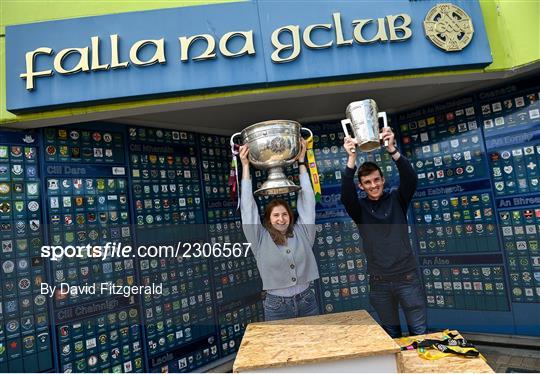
{"points": [[382, 222]]}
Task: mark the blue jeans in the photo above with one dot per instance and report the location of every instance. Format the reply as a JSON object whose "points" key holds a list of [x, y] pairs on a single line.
{"points": [[301, 305], [388, 293]]}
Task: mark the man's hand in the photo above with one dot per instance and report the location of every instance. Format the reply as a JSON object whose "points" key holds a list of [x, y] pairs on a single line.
{"points": [[388, 135], [350, 147]]}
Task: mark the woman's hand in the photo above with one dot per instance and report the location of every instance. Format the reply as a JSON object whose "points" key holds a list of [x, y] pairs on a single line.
{"points": [[303, 147], [243, 153]]}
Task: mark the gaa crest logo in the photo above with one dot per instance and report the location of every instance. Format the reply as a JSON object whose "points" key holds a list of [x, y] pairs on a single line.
{"points": [[448, 27]]}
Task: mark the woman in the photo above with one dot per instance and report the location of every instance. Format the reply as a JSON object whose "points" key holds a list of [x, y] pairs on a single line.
{"points": [[283, 250]]}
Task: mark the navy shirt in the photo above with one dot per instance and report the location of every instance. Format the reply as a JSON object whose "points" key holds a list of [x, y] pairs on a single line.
{"points": [[382, 223]]}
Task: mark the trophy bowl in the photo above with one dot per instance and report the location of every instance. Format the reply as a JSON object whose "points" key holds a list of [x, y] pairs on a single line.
{"points": [[273, 145], [363, 117]]}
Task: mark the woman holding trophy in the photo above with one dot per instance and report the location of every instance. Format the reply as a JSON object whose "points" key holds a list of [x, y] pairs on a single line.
{"points": [[282, 247]]}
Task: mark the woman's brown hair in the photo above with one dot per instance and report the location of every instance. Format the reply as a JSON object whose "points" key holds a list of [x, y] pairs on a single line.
{"points": [[276, 235]]}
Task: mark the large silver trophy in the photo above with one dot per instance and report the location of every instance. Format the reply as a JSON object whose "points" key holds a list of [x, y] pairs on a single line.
{"points": [[273, 145], [363, 117]]}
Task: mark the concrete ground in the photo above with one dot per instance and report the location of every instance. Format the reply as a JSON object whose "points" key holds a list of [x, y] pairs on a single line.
{"points": [[511, 360], [509, 353]]}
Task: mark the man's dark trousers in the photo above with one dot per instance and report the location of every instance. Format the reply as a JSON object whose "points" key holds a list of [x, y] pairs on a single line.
{"points": [[387, 293]]}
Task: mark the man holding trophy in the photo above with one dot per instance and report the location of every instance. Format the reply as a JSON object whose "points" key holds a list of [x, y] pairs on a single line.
{"points": [[282, 248], [381, 217]]}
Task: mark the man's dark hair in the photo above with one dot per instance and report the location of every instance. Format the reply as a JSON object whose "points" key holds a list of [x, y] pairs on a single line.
{"points": [[367, 168]]}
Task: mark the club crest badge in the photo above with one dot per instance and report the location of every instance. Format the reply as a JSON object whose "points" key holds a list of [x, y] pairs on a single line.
{"points": [[448, 27]]}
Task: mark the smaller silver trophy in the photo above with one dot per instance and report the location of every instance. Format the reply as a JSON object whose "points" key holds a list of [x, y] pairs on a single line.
{"points": [[363, 117], [273, 145]]}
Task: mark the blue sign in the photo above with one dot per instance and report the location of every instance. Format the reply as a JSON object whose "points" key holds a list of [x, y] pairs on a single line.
{"points": [[246, 44]]}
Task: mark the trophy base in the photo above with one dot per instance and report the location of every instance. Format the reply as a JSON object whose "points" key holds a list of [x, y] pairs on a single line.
{"points": [[277, 187], [369, 146]]}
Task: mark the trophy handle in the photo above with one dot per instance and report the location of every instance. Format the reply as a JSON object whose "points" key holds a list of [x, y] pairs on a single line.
{"points": [[344, 123], [385, 124], [308, 130], [234, 146]]}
